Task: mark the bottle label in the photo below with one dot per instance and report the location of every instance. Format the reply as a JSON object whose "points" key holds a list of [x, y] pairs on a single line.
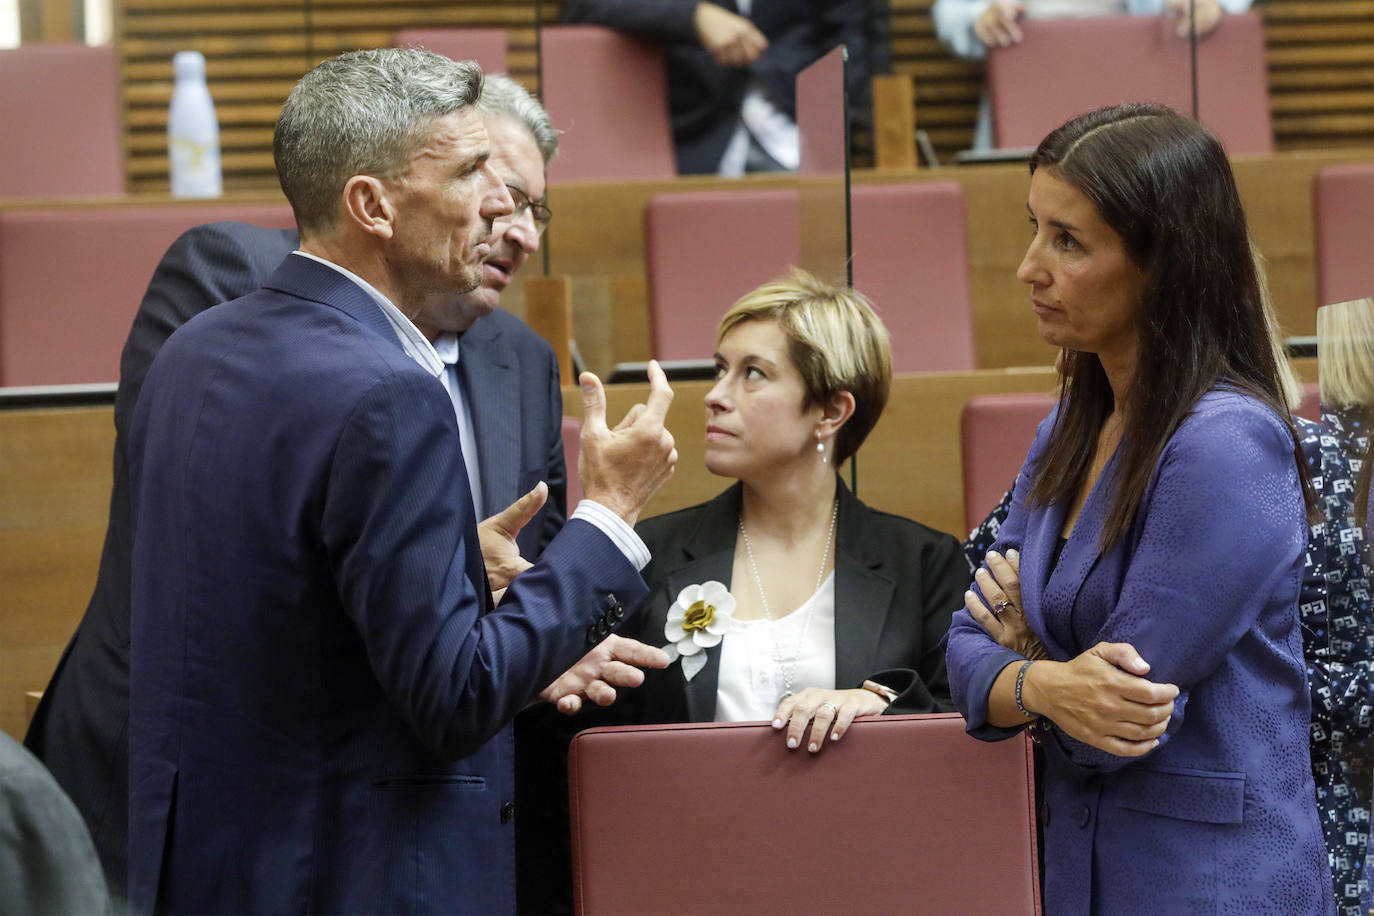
{"points": [[195, 168]]}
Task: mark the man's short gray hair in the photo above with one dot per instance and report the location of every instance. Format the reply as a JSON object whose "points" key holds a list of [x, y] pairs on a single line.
{"points": [[362, 113], [503, 96]]}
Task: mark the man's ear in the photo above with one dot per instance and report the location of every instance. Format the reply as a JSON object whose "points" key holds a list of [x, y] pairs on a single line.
{"points": [[836, 412], [368, 204]]}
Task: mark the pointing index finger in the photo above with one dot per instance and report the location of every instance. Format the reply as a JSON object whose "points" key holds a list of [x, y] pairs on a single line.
{"points": [[660, 394]]}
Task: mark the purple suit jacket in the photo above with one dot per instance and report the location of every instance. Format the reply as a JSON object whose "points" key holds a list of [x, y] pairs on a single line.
{"points": [[1221, 816]]}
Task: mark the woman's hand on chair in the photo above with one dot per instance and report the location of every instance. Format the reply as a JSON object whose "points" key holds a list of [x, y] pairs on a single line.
{"points": [[828, 712]]}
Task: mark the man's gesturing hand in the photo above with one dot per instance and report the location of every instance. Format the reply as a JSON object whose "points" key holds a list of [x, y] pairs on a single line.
{"points": [[623, 468], [615, 662], [500, 553]]}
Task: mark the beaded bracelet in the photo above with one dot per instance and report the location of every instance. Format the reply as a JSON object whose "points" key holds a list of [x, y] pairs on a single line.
{"points": [[1020, 683]]}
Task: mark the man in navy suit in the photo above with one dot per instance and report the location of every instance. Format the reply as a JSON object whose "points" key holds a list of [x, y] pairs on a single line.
{"points": [[507, 372], [321, 685]]}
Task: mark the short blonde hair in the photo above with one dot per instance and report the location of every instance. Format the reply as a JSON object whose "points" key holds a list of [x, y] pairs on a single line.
{"points": [[1345, 351], [836, 340]]}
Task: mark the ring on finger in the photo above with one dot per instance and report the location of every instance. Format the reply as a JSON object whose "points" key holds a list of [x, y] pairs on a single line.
{"points": [[834, 710], [999, 607]]}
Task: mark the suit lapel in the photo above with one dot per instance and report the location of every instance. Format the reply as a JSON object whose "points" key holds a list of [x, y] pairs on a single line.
{"points": [[860, 582], [707, 554], [489, 374], [1060, 584]]}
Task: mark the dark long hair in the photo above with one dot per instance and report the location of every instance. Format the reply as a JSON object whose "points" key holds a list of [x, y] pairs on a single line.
{"points": [[1163, 183]]}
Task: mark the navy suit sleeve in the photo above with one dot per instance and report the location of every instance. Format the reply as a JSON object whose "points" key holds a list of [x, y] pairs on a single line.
{"points": [[399, 530]]}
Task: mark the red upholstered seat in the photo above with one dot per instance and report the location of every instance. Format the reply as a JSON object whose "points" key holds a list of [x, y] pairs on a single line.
{"points": [[996, 431], [1048, 78], [911, 260], [606, 93], [59, 107], [486, 46], [705, 249], [907, 814], [71, 281], [1343, 224]]}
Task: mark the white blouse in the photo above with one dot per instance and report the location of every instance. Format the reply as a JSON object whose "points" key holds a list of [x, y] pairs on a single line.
{"points": [[755, 655]]}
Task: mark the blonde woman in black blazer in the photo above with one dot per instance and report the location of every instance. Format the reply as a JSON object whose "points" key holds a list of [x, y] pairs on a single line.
{"points": [[838, 610]]}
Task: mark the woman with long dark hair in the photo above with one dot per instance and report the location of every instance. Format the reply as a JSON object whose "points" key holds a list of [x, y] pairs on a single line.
{"points": [[1139, 609]]}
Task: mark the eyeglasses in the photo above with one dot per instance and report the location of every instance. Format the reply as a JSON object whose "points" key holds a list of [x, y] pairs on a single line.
{"points": [[540, 211]]}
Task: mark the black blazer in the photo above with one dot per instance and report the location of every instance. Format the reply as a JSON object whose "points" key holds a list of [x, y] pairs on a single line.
{"points": [[897, 583], [511, 377], [704, 98]]}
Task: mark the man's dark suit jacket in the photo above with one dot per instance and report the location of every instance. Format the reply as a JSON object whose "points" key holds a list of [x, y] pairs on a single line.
{"points": [[703, 97], [321, 691], [510, 374]]}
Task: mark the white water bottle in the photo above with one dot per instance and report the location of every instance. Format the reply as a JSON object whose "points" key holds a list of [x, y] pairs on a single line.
{"points": [[193, 130]]}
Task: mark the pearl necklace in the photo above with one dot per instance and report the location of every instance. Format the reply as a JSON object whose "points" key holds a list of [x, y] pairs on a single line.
{"points": [[789, 666]]}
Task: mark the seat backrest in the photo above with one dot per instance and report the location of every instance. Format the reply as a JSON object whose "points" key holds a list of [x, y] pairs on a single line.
{"points": [[705, 249], [1047, 78], [889, 822], [911, 259], [486, 46], [59, 107], [1342, 226], [71, 280], [607, 93], [572, 447], [995, 432]]}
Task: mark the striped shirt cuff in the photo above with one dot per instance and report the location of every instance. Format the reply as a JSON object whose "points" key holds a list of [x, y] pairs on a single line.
{"points": [[615, 528]]}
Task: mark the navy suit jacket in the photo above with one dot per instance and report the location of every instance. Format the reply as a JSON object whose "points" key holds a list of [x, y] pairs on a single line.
{"points": [[321, 692], [511, 378], [1221, 816]]}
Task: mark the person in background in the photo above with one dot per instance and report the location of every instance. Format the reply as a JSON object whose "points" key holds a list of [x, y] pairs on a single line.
{"points": [[732, 68], [1338, 624], [969, 27], [1140, 606]]}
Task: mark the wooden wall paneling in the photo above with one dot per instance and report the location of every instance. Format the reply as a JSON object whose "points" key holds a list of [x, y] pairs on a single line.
{"points": [[54, 502], [255, 52]]}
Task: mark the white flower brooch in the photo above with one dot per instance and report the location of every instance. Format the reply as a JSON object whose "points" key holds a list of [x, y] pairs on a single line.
{"points": [[698, 619]]}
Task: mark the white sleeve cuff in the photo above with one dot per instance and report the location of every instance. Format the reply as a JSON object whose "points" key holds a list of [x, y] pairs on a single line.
{"points": [[615, 528]]}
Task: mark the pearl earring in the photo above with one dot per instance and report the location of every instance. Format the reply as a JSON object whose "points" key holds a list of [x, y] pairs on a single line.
{"points": [[820, 447]]}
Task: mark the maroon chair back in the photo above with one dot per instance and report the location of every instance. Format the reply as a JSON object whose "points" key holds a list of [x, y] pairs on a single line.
{"points": [[995, 432], [486, 46], [572, 447], [59, 107], [1047, 78], [1342, 225], [705, 249], [911, 259], [71, 280], [606, 92], [907, 814]]}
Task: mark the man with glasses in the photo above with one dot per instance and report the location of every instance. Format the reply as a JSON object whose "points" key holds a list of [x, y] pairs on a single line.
{"points": [[502, 378]]}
